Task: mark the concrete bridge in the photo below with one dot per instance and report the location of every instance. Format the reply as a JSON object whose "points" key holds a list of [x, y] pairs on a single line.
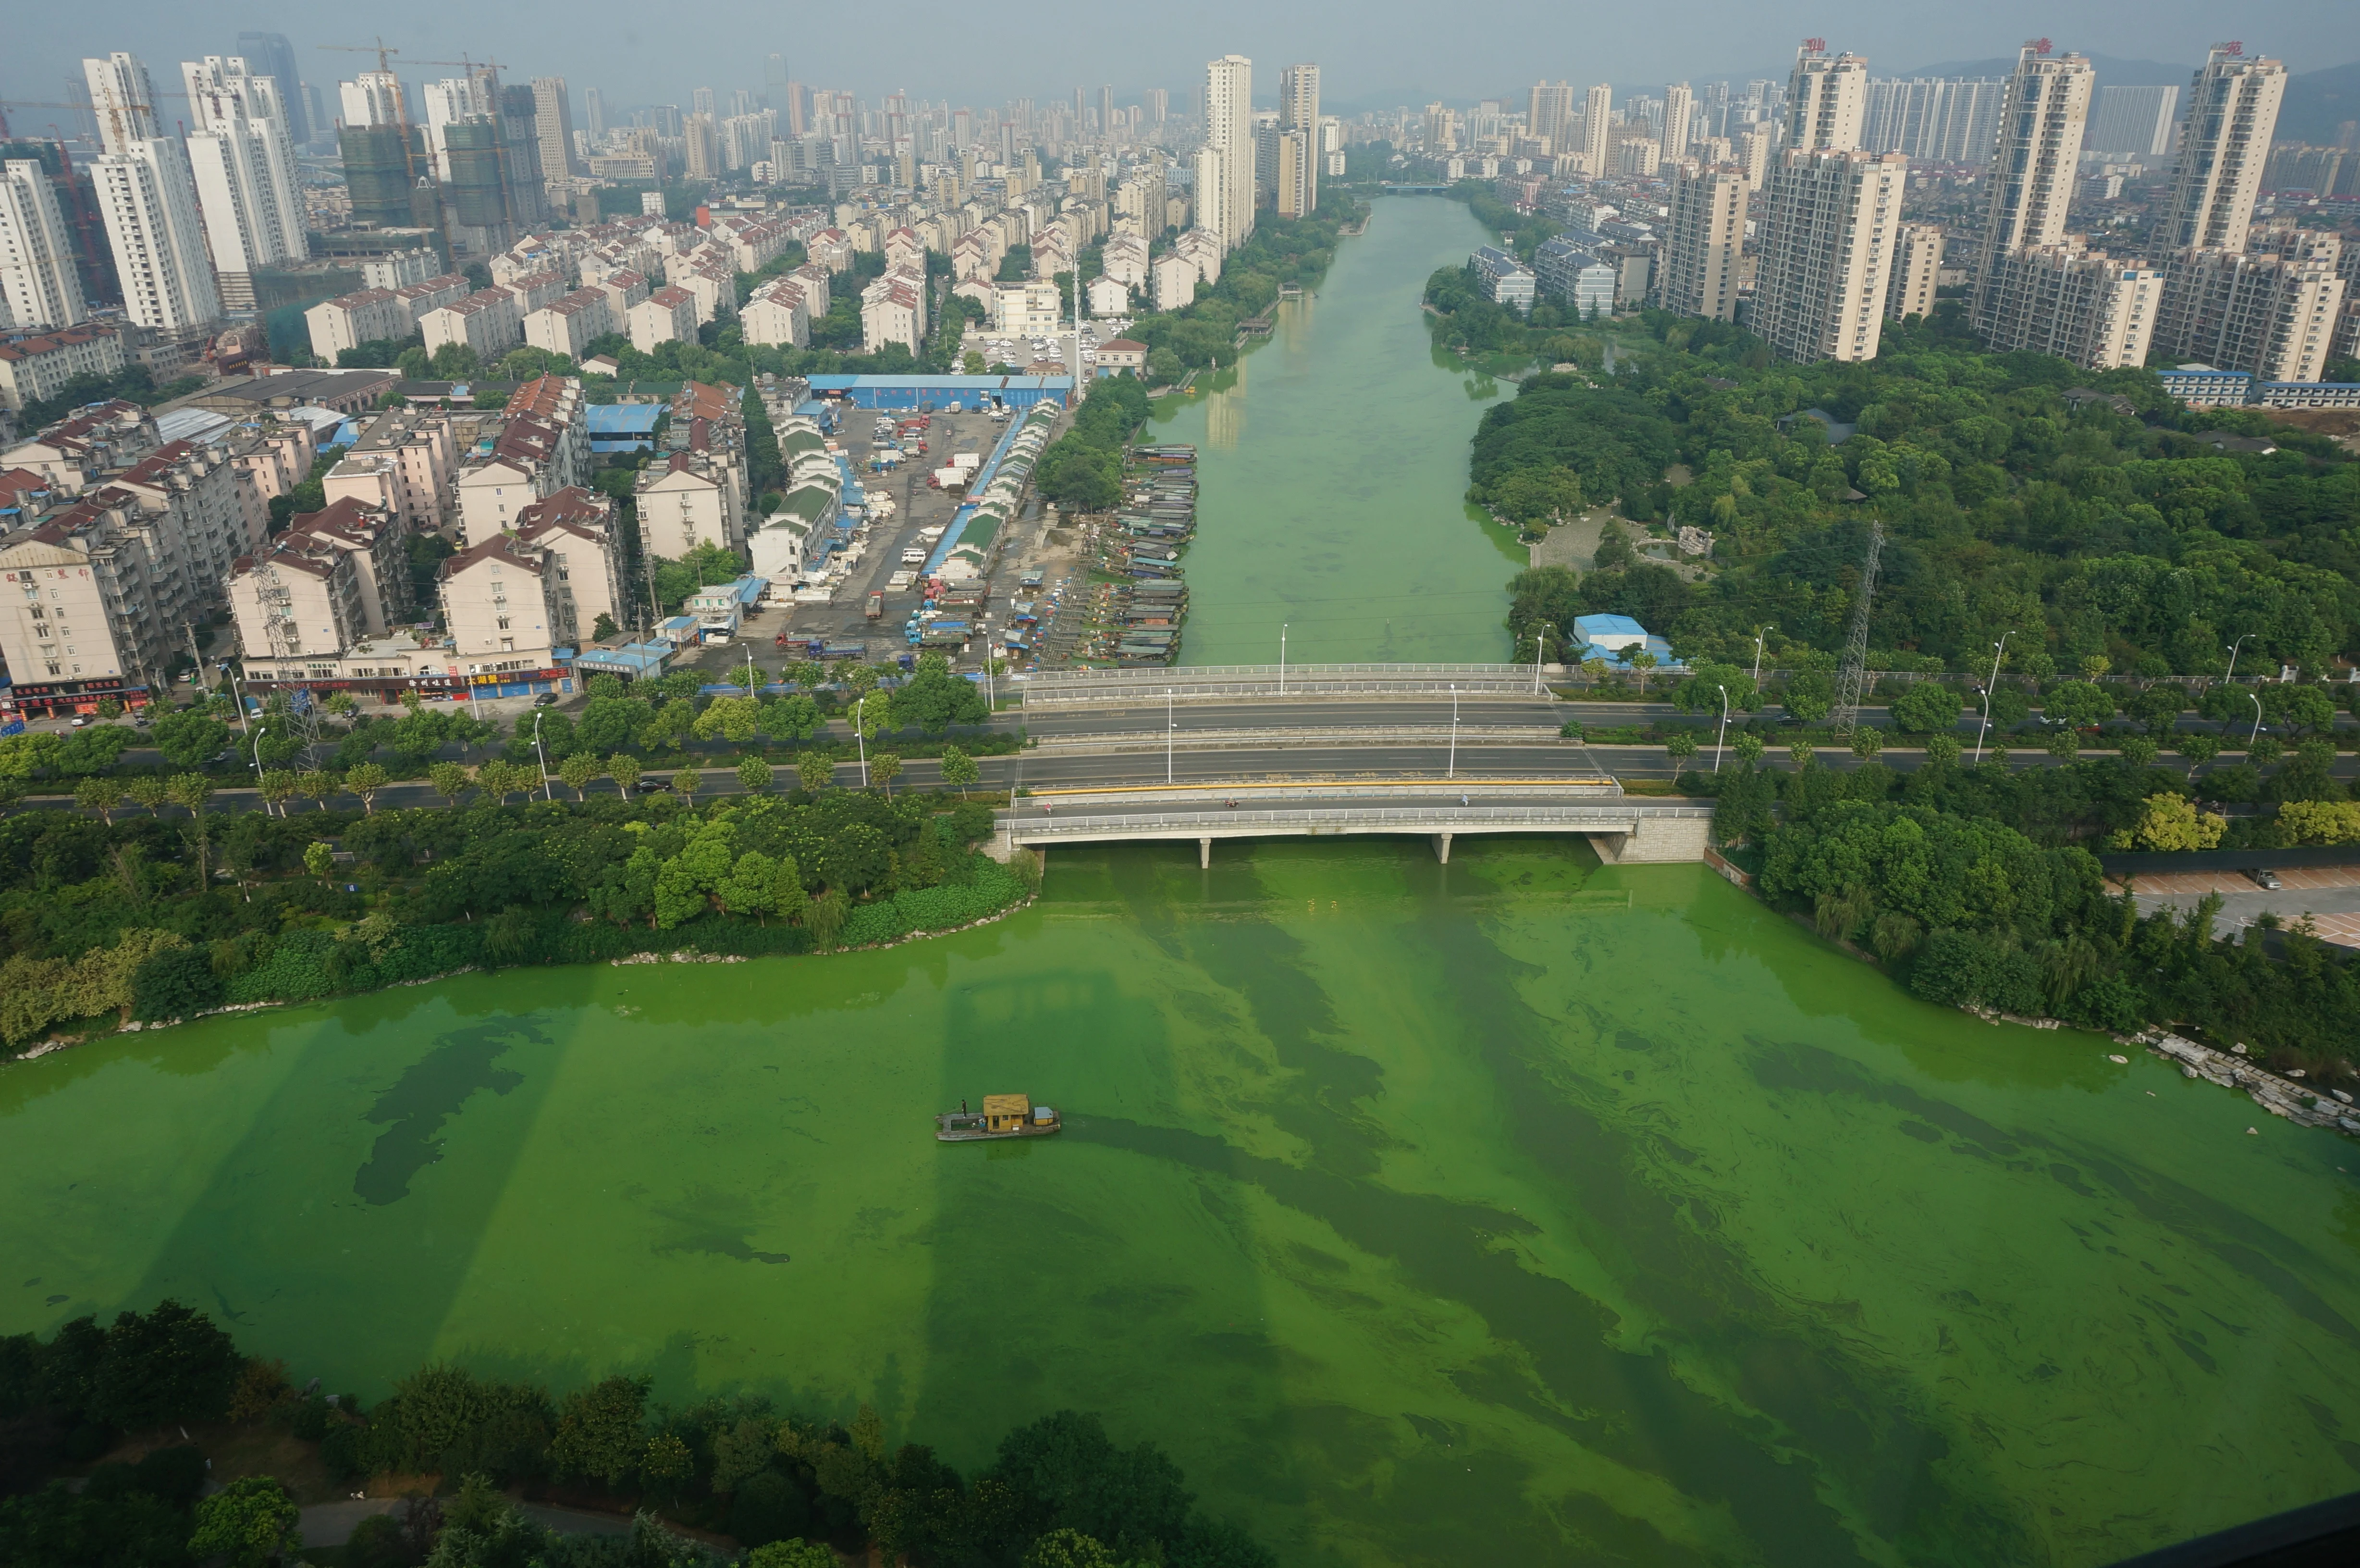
{"points": [[1622, 831], [1232, 683]]}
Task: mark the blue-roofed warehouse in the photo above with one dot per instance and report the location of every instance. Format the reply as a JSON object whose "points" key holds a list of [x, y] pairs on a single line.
{"points": [[931, 392], [1614, 638], [623, 426]]}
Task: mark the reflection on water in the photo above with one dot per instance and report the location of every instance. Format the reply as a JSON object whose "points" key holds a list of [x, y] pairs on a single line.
{"points": [[1225, 409]]}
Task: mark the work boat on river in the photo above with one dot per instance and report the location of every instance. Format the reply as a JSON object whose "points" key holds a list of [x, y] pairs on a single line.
{"points": [[1004, 1115]]}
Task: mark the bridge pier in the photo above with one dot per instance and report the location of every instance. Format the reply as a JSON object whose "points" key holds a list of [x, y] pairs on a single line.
{"points": [[1204, 853], [1655, 841], [1442, 847]]}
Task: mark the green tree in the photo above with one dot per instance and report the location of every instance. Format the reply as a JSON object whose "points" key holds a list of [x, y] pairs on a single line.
{"points": [[189, 738], [1927, 707], [1803, 753], [599, 1430], [2199, 747], [1749, 750], [686, 782], [1809, 695], [150, 793], [2173, 822], [320, 859], [753, 774], [623, 770], [796, 1553], [450, 782], [815, 771], [2079, 703], [100, 795], [1680, 747], [959, 769], [1068, 1549], [1640, 660], [251, 1523], [365, 781], [1867, 741], [277, 787], [579, 771], [883, 768]]}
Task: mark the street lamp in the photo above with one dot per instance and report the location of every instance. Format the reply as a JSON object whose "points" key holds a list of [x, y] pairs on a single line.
{"points": [[1168, 727], [1759, 633], [1282, 658], [259, 731], [2233, 657], [546, 792], [1539, 639], [2256, 696], [1719, 739], [859, 710], [1453, 771], [244, 722], [1999, 651]]}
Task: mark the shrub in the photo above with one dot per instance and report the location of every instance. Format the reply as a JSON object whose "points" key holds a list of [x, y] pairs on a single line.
{"points": [[1963, 968], [174, 983]]}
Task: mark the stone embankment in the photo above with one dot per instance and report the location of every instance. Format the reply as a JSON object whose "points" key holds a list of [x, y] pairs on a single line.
{"points": [[2298, 1103]]}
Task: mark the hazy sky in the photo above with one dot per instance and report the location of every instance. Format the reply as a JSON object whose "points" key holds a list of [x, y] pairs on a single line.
{"points": [[1371, 54]]}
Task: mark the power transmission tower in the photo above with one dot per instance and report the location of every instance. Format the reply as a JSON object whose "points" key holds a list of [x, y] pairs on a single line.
{"points": [[1856, 660]]}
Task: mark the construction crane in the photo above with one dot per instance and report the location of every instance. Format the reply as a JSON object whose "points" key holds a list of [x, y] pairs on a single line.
{"points": [[114, 108]]}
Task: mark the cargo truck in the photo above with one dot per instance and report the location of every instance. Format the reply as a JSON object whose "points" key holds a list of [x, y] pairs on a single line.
{"points": [[876, 610]]}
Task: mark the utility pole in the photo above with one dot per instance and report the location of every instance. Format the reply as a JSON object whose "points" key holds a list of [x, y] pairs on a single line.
{"points": [[1851, 677]]}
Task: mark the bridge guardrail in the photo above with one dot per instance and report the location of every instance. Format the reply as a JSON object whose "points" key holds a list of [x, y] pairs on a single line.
{"points": [[1375, 733], [1590, 819]]}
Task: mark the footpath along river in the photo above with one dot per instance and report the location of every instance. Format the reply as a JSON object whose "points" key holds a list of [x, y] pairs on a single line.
{"points": [[1332, 472], [1513, 1210]]}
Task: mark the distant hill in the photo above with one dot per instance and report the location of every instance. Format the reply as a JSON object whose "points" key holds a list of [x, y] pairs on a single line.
{"points": [[2318, 102]]}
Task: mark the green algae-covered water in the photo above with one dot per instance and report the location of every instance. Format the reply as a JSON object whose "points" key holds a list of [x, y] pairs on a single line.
{"points": [[1515, 1211], [1332, 472], [1512, 1211]]}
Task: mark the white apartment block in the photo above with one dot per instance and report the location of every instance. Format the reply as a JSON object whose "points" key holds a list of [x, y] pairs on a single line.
{"points": [[404, 463], [1827, 99], [573, 530], [417, 298], [209, 504], [1917, 269], [688, 500], [490, 494], [87, 596], [776, 315], [243, 162], [1826, 253], [39, 286], [486, 320], [1176, 282], [817, 282], [1703, 241], [2272, 316], [73, 454], [300, 599], [500, 606], [37, 367], [351, 320], [1029, 310], [2042, 117], [148, 198], [535, 290], [891, 311], [1125, 259], [2224, 151], [2079, 305], [1225, 180], [667, 315], [400, 269], [275, 453], [566, 325], [623, 287]]}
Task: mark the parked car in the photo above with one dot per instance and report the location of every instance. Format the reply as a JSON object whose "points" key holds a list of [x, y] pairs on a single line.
{"points": [[2264, 876], [546, 700], [82, 720]]}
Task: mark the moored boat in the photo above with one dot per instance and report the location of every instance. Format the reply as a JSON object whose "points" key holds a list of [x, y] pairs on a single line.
{"points": [[1004, 1115]]}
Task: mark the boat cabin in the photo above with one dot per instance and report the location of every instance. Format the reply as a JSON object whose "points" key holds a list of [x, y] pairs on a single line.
{"points": [[1006, 1113]]}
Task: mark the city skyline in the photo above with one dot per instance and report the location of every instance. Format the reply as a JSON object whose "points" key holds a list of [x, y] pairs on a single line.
{"points": [[1365, 67]]}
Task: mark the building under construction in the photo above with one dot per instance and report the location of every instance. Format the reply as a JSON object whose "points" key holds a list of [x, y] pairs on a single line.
{"points": [[377, 174]]}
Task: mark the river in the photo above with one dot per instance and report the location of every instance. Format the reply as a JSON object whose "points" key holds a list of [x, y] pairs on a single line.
{"points": [[1332, 473], [1520, 1210]]}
